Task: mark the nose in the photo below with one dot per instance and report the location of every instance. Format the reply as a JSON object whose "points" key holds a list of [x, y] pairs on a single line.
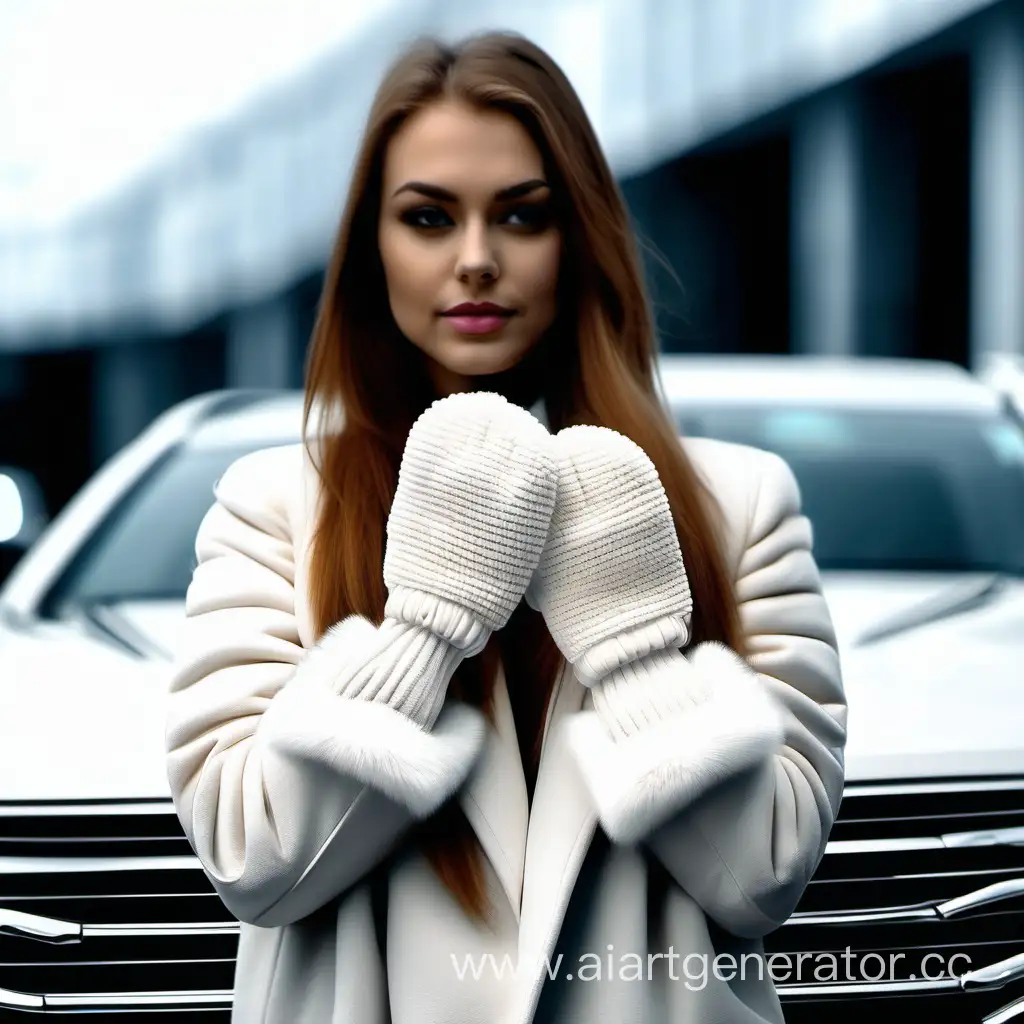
{"points": [[478, 261]]}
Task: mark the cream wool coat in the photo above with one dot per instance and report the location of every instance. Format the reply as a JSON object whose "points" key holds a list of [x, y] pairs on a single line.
{"points": [[641, 860]]}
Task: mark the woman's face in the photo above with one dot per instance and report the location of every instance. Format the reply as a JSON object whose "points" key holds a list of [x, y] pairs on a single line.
{"points": [[467, 221]]}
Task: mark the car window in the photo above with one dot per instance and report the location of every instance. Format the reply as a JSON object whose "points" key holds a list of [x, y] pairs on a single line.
{"points": [[890, 489], [146, 547]]}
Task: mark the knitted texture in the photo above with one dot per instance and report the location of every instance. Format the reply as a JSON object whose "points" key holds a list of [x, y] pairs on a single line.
{"points": [[403, 665], [448, 621], [476, 490], [611, 583], [647, 691], [606, 656]]}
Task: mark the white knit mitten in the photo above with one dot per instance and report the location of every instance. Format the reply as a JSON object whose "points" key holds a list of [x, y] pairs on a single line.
{"points": [[611, 583], [476, 490]]}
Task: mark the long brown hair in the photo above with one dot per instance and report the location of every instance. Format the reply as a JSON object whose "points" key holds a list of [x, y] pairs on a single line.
{"points": [[594, 366]]}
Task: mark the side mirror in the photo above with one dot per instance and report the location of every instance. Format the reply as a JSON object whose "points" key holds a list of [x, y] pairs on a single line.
{"points": [[1004, 373], [23, 515]]}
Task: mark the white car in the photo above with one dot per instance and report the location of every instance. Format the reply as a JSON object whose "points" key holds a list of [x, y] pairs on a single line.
{"points": [[914, 481]]}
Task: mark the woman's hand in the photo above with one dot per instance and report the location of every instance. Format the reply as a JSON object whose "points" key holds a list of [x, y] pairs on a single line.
{"points": [[475, 494], [665, 727], [610, 583], [476, 491]]}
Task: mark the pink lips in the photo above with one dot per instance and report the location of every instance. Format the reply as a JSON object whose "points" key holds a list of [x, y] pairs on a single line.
{"points": [[477, 317]]}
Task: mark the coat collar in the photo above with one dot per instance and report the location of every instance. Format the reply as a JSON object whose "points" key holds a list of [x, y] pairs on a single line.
{"points": [[540, 410]]}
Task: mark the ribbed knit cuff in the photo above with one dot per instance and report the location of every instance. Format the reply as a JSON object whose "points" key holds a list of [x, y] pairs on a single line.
{"points": [[402, 665], [446, 619], [648, 691], [631, 645]]}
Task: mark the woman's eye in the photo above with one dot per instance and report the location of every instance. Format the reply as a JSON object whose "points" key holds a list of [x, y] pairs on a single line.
{"points": [[427, 217], [531, 215]]}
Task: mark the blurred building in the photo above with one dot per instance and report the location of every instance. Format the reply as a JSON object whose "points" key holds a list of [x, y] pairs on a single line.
{"points": [[807, 175]]}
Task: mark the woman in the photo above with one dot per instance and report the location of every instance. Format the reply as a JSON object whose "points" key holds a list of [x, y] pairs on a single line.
{"points": [[427, 798]]}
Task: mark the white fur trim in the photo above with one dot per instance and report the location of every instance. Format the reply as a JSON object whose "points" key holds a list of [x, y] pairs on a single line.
{"points": [[414, 767], [373, 743], [640, 781]]}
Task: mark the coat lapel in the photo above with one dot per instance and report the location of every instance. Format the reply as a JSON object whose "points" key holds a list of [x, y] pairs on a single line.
{"points": [[561, 826], [536, 852], [494, 798]]}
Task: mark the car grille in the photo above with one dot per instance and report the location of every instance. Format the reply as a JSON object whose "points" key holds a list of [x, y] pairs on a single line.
{"points": [[105, 910], [912, 870]]}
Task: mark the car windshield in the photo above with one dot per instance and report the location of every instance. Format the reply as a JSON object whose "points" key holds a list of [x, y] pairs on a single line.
{"points": [[145, 550], [892, 490], [884, 491]]}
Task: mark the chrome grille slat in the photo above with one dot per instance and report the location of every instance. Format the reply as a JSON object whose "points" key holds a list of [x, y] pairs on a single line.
{"points": [[55, 931], [1011, 1011], [919, 819], [81, 865], [846, 989], [972, 901], [115, 1001], [903, 789], [138, 1000], [87, 809], [1004, 836], [975, 903], [140, 931]]}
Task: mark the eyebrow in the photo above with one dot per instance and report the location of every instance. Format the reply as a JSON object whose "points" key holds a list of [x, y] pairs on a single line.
{"points": [[443, 195]]}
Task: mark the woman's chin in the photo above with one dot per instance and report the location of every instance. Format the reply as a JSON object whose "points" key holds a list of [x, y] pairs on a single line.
{"points": [[481, 358]]}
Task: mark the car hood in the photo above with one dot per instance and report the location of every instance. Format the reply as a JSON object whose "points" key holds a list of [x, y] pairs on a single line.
{"points": [[933, 667], [937, 692], [82, 715]]}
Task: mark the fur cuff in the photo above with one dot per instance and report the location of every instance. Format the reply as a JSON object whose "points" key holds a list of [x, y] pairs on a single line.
{"points": [[377, 745], [638, 782]]}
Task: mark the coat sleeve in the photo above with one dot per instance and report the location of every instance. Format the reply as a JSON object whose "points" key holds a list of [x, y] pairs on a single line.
{"points": [[735, 788], [288, 792]]}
